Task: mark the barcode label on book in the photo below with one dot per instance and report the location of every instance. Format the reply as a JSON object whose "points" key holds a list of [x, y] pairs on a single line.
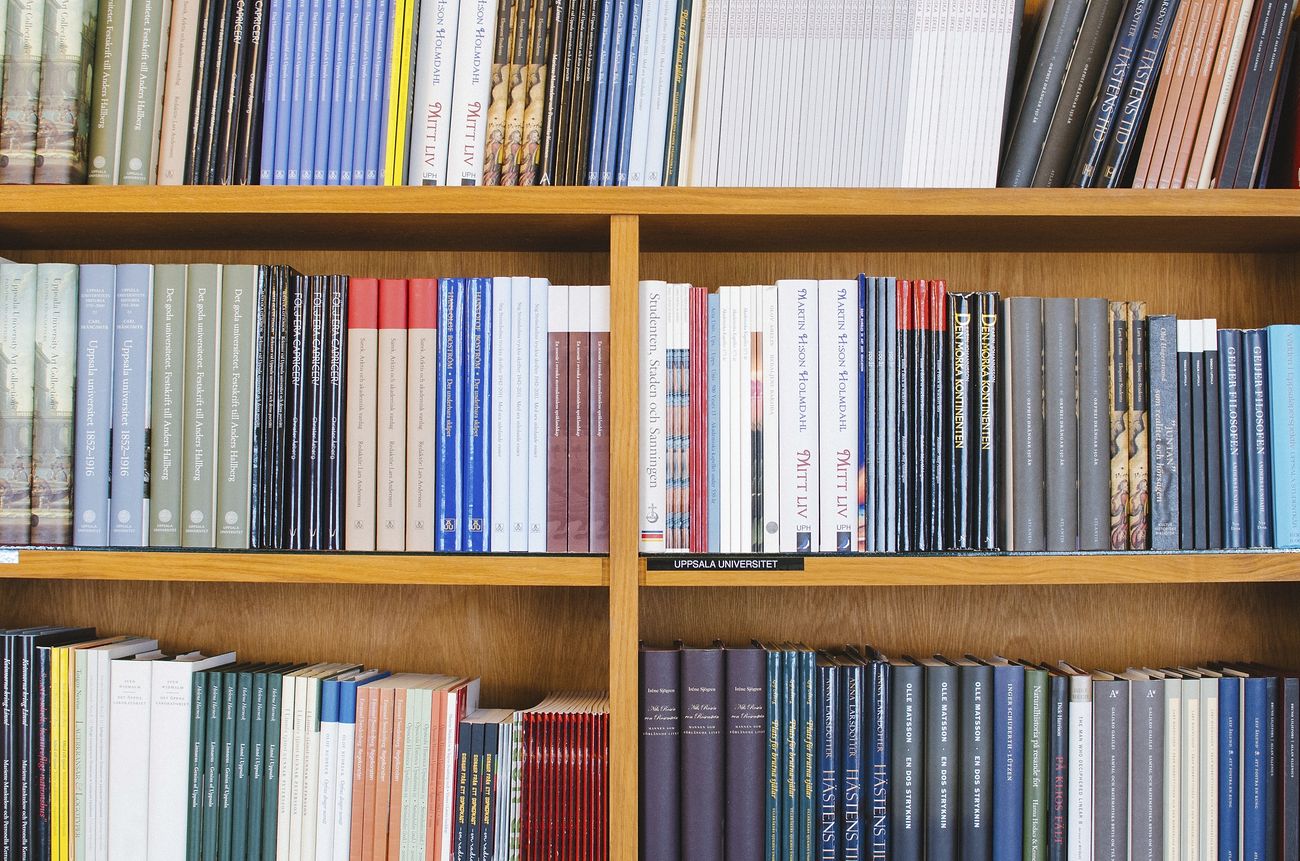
{"points": [[724, 563]]}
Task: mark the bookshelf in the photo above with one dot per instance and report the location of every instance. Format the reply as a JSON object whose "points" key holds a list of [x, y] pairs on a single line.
{"points": [[529, 624]]}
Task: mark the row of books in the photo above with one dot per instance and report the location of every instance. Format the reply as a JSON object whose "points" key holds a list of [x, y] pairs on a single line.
{"points": [[780, 752], [245, 406], [1158, 94], [886, 415], [115, 750]]}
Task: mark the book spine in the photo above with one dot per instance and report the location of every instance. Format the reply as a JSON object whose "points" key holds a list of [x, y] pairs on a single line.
{"points": [[713, 458], [106, 116], [905, 801], [18, 293], [1057, 763], [239, 336], [1139, 418], [470, 101], [421, 414], [988, 470], [557, 425], [1061, 424], [202, 395], [1187, 482], [1146, 839], [167, 401], [940, 759], [1213, 435], [138, 155], [129, 497], [93, 421], [1284, 413], [21, 98], [1232, 436], [53, 406], [477, 477], [521, 406], [449, 464], [838, 405], [499, 415], [1027, 425], [352, 166], [128, 735], [1200, 468], [800, 461], [1079, 822], [962, 444], [1094, 426], [1229, 776], [314, 411], [1110, 769], [829, 731], [1254, 783], [578, 499], [334, 456], [1163, 364], [1130, 116], [297, 413], [66, 76], [1119, 429], [320, 115], [538, 412], [746, 697], [431, 131], [1008, 702], [362, 428], [976, 751], [1036, 765], [852, 758], [1259, 493], [390, 514], [600, 417]]}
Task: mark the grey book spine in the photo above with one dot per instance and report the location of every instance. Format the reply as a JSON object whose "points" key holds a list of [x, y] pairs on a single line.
{"points": [[167, 405], [128, 498], [202, 386], [976, 800], [906, 825], [235, 411], [107, 91], [1036, 765], [940, 781], [1026, 456], [1061, 424], [93, 421], [142, 99], [1162, 361], [17, 390], [55, 395], [1146, 829], [1094, 427], [1110, 769]]}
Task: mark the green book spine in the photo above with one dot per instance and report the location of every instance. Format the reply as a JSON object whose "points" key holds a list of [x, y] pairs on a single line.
{"points": [[1035, 822], [55, 368], [142, 102], [202, 384], [271, 786], [22, 90], [198, 756], [67, 66], [211, 768], [107, 90], [256, 763], [225, 802], [239, 796], [17, 391], [235, 413], [167, 402], [79, 688]]}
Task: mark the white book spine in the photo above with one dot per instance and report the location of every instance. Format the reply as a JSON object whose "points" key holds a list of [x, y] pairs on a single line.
{"points": [[390, 513], [743, 511], [284, 812], [730, 403], [448, 776], [177, 89], [361, 438], [327, 790], [538, 410], [1209, 845], [298, 766], [471, 88], [771, 422], [661, 88], [1079, 812], [128, 758], [838, 329], [798, 391], [1173, 769], [499, 428], [342, 840], [311, 771], [421, 431], [654, 323], [431, 103], [520, 403], [1224, 96], [644, 85], [1191, 773], [95, 755]]}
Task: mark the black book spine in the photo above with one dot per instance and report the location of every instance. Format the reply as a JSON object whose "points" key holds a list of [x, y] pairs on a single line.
{"points": [[204, 72], [283, 405], [677, 93], [942, 401], [217, 118], [1232, 436], [988, 416], [25, 789], [561, 11], [1259, 472], [772, 774], [1254, 63], [232, 86], [851, 759], [962, 443], [1200, 467], [337, 411], [585, 92], [906, 408], [588, 12], [460, 831], [297, 403], [315, 465], [807, 750], [249, 136], [574, 27], [746, 752], [1186, 497], [1213, 437], [905, 802], [975, 810], [1273, 172], [876, 711], [660, 748], [941, 705], [702, 751], [923, 417], [40, 811], [789, 780], [255, 464], [828, 731], [1252, 169]]}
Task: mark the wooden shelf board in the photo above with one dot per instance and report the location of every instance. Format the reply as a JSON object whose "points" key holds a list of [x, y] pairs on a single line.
{"points": [[415, 218], [1006, 570], [273, 567]]}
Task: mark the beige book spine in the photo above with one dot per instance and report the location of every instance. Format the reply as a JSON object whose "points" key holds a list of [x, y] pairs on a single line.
{"points": [[390, 509]]}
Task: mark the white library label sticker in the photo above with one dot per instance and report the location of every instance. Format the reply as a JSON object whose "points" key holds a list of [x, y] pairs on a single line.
{"points": [[8, 557]]}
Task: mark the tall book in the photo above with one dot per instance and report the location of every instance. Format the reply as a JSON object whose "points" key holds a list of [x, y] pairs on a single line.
{"points": [[471, 92], [1284, 414], [499, 414], [1233, 436], [129, 499], [449, 465], [240, 333], [17, 391], [390, 404], [599, 420], [167, 401], [421, 413], [1139, 450], [1162, 359], [1061, 388], [55, 377], [93, 419], [1120, 437], [1259, 478], [362, 413], [107, 117], [146, 57], [559, 414], [578, 498], [476, 487], [1025, 499], [703, 751], [653, 405], [1094, 425], [539, 411], [20, 90], [799, 389], [67, 73], [837, 434], [1213, 435], [202, 396]]}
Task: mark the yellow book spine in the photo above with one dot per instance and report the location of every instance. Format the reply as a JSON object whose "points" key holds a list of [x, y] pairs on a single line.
{"points": [[69, 746], [56, 744], [396, 52], [398, 174]]}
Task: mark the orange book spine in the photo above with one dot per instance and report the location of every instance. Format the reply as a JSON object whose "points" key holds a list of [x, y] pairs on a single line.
{"points": [[1160, 110], [397, 774], [383, 775], [372, 765], [1179, 66], [1174, 172], [359, 773], [1194, 47], [437, 729]]}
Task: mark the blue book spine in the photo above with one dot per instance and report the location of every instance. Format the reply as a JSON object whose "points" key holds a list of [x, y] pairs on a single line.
{"points": [[271, 90], [341, 121], [1008, 761], [600, 90], [617, 84], [487, 345], [1284, 435], [365, 59], [828, 766], [1232, 438], [378, 107], [772, 798], [330, 71], [866, 436], [128, 506], [312, 91], [329, 701], [715, 424], [890, 508], [298, 117], [624, 149], [851, 760], [93, 425], [474, 534], [1271, 794], [1254, 785], [1229, 768], [807, 760], [1259, 485], [451, 310], [876, 717], [284, 93]]}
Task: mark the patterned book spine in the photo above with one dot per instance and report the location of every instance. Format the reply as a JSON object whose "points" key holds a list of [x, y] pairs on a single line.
{"points": [[578, 517], [67, 70], [1162, 360], [239, 336], [202, 392], [1259, 491], [478, 360], [167, 402], [421, 414], [713, 393], [599, 368], [390, 515], [1119, 428], [55, 367], [499, 91], [25, 26], [93, 421], [543, 42], [146, 56], [17, 392], [1139, 406], [129, 496], [449, 464]]}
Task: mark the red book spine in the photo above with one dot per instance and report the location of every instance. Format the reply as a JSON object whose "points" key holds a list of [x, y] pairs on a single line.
{"points": [[600, 419], [579, 513], [557, 428]]}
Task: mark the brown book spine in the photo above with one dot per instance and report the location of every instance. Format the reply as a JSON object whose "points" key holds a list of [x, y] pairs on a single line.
{"points": [[1223, 58], [383, 775], [1204, 55], [396, 773], [599, 425], [372, 766], [1139, 463], [359, 748], [579, 507], [557, 453], [1119, 435], [1162, 107], [433, 819]]}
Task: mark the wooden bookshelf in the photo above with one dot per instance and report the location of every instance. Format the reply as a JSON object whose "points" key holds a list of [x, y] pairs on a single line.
{"points": [[532, 624]]}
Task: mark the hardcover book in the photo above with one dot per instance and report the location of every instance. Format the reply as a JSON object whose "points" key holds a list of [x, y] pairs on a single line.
{"points": [[129, 496], [240, 333], [167, 400], [421, 414], [202, 395], [55, 369], [17, 391], [1162, 358], [390, 402], [93, 422]]}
